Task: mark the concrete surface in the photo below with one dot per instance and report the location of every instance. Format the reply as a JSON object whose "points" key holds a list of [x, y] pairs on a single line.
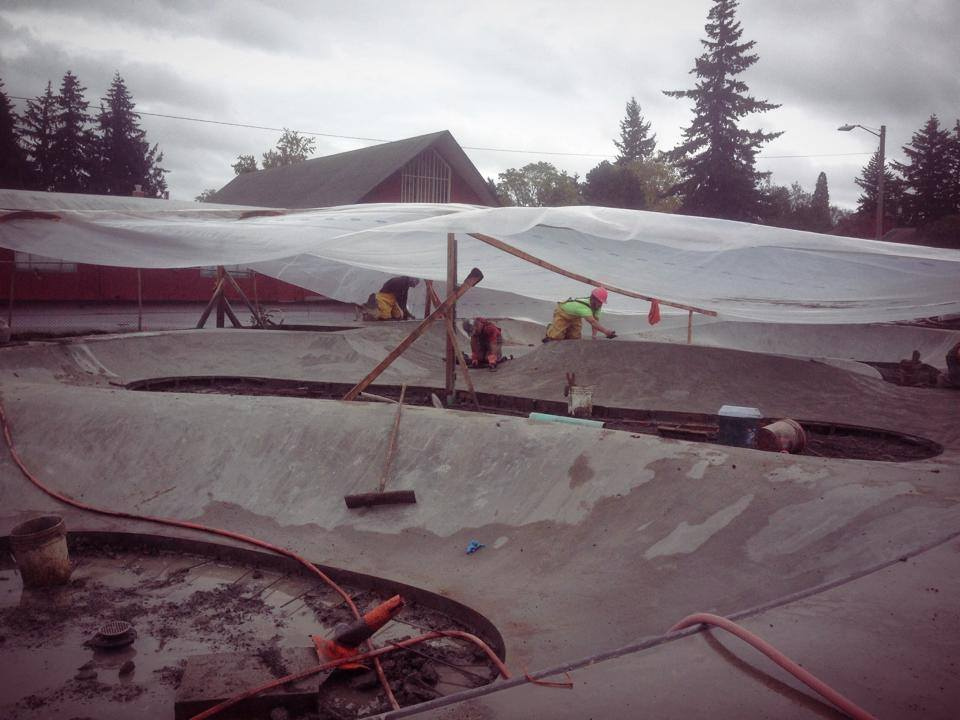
{"points": [[593, 537]]}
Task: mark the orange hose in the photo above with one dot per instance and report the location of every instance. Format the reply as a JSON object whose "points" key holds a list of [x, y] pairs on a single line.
{"points": [[398, 645], [806, 677], [192, 526]]}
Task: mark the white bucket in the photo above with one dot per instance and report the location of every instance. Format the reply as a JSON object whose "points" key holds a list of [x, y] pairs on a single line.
{"points": [[580, 401]]}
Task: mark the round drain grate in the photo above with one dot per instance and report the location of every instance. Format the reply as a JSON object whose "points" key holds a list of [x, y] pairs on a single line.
{"points": [[114, 629]]}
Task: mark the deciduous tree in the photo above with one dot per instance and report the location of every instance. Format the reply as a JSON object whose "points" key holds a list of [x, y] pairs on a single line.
{"points": [[538, 185], [716, 158], [291, 148], [245, 164]]}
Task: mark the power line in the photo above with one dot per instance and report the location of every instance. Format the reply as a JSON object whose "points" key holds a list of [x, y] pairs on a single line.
{"points": [[465, 147]]}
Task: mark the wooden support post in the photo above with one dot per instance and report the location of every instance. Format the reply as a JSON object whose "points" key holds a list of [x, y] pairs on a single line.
{"points": [[450, 372], [221, 305], [243, 296], [473, 278], [517, 252], [392, 447], [139, 301], [452, 339], [214, 300], [13, 274], [689, 327], [428, 302], [228, 310]]}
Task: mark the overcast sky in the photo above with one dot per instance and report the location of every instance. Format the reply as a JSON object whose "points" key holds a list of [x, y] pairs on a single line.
{"points": [[539, 77]]}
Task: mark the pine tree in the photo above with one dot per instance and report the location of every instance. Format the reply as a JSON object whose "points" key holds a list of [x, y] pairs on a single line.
{"points": [[867, 202], [927, 177], [636, 142], [716, 158], [39, 125], [819, 219], [13, 161], [72, 149], [955, 167], [124, 159]]}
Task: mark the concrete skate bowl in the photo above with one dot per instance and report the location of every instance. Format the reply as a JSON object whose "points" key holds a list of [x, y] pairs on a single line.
{"points": [[824, 439], [208, 620]]}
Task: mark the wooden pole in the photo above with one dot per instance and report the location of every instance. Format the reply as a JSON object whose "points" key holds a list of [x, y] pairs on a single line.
{"points": [[450, 372], [228, 310], [139, 301], [215, 298], [473, 278], [517, 252], [13, 274], [428, 302], [243, 297], [221, 306], [452, 338], [689, 327], [392, 447]]}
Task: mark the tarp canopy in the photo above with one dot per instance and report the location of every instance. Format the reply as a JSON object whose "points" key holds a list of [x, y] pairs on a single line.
{"points": [[740, 271]]}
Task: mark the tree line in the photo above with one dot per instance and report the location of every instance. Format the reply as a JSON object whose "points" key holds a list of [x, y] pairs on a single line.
{"points": [[712, 171], [58, 144]]}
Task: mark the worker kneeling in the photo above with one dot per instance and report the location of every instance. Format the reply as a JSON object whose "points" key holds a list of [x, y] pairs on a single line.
{"points": [[568, 314], [485, 342], [391, 302]]}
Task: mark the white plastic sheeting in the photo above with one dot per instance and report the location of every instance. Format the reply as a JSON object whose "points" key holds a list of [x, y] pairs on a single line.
{"points": [[741, 271]]}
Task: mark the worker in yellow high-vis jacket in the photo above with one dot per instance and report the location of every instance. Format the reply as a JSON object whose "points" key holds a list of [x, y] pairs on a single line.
{"points": [[567, 317]]}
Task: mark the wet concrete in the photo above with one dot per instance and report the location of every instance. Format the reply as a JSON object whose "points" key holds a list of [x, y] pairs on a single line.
{"points": [[591, 536]]}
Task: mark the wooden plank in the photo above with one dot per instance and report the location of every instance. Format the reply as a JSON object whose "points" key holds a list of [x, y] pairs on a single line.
{"points": [[473, 278], [392, 447], [517, 252]]}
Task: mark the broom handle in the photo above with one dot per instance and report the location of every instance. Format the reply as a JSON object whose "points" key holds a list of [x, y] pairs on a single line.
{"points": [[392, 449]]}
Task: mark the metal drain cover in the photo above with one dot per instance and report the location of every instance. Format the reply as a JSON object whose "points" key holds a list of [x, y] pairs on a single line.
{"points": [[114, 629]]}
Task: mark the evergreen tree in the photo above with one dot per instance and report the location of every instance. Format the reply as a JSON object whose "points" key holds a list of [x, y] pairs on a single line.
{"points": [[819, 217], [13, 161], [867, 202], [716, 158], [636, 142], [38, 127], [124, 158], [72, 149], [955, 167], [927, 177]]}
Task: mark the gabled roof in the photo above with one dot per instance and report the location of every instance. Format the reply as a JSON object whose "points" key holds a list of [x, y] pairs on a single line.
{"points": [[347, 177]]}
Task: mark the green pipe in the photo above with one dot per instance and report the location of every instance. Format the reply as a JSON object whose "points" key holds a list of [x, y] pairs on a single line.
{"points": [[564, 419]]}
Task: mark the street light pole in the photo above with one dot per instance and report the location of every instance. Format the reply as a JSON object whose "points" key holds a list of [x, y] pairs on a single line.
{"points": [[881, 170], [880, 179]]}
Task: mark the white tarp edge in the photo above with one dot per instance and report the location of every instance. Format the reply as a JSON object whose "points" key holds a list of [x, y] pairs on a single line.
{"points": [[739, 270]]}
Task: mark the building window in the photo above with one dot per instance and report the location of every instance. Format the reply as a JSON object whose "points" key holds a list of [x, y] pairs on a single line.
{"points": [[426, 179], [27, 262], [237, 271]]}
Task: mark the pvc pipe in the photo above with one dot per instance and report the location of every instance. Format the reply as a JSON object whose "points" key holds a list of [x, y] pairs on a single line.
{"points": [[544, 417]]}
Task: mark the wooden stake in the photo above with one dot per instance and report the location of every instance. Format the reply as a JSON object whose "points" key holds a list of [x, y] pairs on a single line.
{"points": [[428, 302], [473, 278], [452, 339], [450, 369], [221, 310], [139, 302], [689, 327], [215, 298], [392, 447], [243, 296], [517, 252]]}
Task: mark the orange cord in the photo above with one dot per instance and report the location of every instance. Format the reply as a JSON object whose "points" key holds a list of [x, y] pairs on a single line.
{"points": [[374, 654], [804, 676], [194, 526]]}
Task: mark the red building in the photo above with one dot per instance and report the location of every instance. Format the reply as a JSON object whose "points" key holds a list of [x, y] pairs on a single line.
{"points": [[428, 168]]}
